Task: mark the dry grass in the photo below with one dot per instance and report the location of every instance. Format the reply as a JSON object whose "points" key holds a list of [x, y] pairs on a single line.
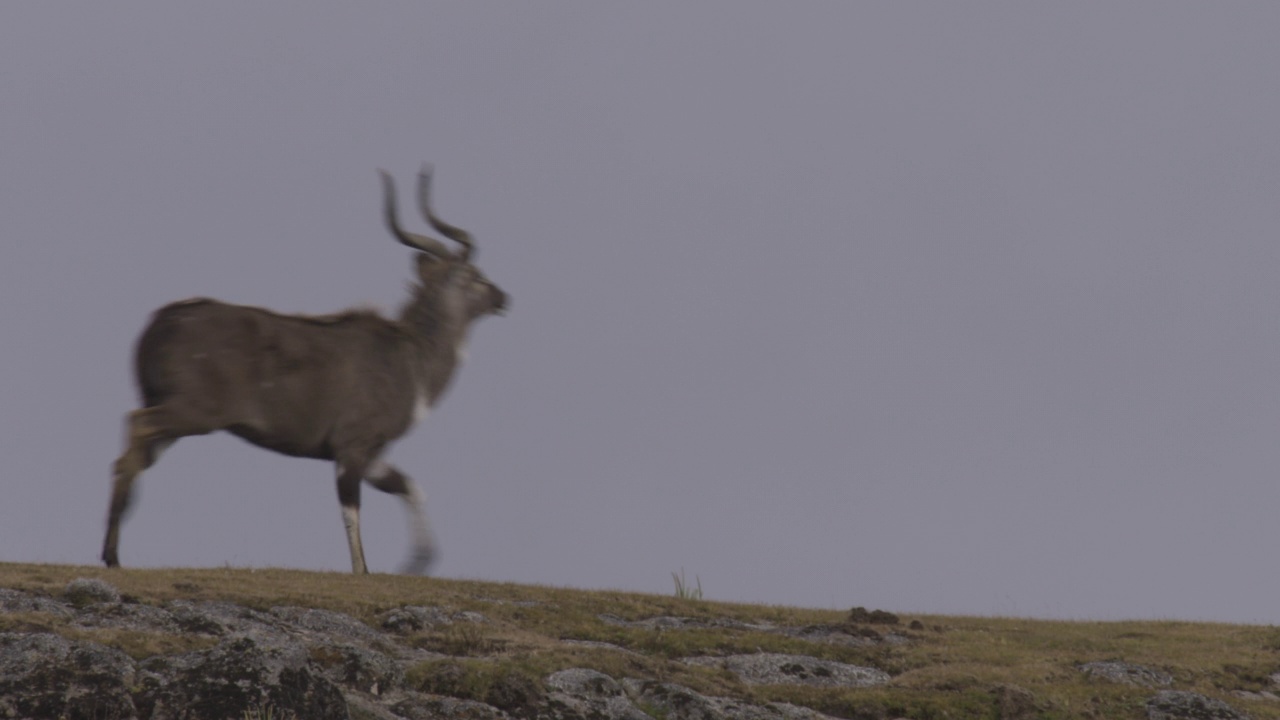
{"points": [[951, 668]]}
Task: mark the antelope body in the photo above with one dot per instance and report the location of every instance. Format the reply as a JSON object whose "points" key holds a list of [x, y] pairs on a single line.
{"points": [[338, 387]]}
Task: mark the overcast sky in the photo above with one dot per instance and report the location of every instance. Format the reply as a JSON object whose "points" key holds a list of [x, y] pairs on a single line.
{"points": [[932, 307]]}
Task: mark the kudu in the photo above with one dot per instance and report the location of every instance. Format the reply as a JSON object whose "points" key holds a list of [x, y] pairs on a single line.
{"points": [[336, 387]]}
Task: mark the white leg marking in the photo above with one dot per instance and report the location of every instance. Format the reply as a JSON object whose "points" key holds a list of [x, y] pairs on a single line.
{"points": [[351, 520], [424, 545], [422, 551]]}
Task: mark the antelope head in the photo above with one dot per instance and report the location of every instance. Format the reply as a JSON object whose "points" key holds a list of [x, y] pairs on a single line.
{"points": [[466, 291]]}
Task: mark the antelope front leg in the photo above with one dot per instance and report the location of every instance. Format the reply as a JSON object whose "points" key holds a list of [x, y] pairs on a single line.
{"points": [[349, 497], [389, 479]]}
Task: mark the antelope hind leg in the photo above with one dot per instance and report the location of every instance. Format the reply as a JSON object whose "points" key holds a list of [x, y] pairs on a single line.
{"points": [[143, 445]]}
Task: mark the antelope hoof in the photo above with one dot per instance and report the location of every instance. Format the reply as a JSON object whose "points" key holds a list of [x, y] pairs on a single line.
{"points": [[418, 562]]}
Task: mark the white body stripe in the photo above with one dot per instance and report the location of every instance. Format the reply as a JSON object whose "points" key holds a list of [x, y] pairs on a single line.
{"points": [[421, 409]]}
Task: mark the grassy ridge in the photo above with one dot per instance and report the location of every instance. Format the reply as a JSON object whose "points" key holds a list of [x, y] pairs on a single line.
{"points": [[952, 667]]}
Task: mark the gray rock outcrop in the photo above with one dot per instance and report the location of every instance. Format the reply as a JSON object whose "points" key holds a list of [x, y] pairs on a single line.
{"points": [[1180, 705], [676, 702], [1127, 674], [580, 693], [86, 591], [293, 662], [87, 652], [778, 669], [241, 675], [43, 675]]}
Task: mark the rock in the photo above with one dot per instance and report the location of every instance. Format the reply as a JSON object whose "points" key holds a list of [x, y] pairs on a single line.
{"points": [[46, 676], [1015, 703], [421, 706], [1181, 705], [142, 618], [223, 618], [297, 662], [195, 621], [238, 678], [331, 625], [779, 669], [369, 708], [1127, 674], [846, 634], [873, 617], [677, 702], [16, 601], [667, 622], [86, 591], [412, 618], [1250, 695], [787, 711], [580, 694], [515, 693], [851, 635], [359, 668]]}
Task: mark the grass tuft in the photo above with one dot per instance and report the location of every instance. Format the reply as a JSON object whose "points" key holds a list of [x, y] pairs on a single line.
{"points": [[683, 590]]}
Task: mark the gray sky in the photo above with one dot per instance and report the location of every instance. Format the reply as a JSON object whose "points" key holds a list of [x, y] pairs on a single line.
{"points": [[950, 307]]}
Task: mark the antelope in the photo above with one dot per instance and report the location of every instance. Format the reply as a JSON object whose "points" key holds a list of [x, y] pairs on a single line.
{"points": [[338, 387]]}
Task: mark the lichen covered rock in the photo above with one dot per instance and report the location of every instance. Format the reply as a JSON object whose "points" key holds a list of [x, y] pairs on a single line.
{"points": [[780, 669], [581, 694], [43, 675], [1127, 673], [239, 677], [86, 591], [1181, 705]]}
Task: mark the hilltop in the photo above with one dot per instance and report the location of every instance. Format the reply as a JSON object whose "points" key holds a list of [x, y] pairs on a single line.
{"points": [[85, 642]]}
